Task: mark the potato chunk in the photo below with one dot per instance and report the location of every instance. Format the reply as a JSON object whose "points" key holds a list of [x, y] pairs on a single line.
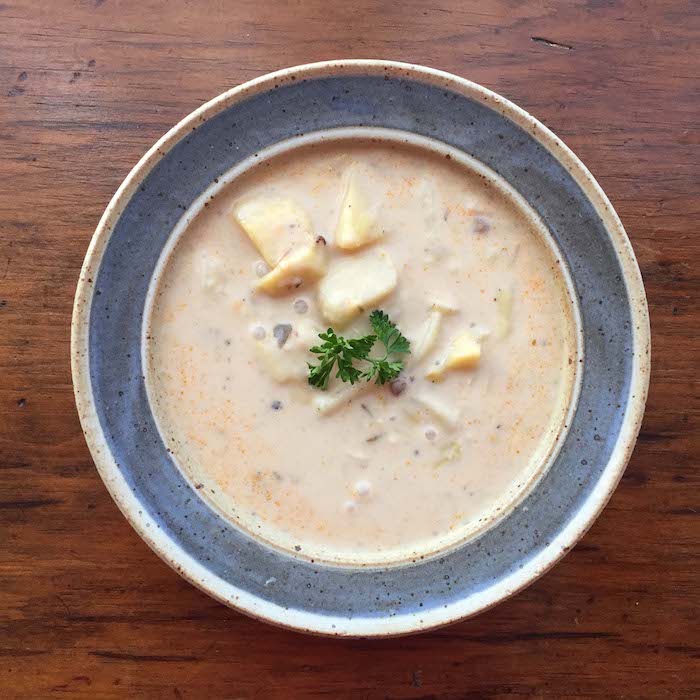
{"points": [[446, 304], [504, 305], [288, 362], [354, 285], [464, 353], [213, 273], [357, 223], [446, 413], [275, 226], [301, 266], [329, 402], [427, 336]]}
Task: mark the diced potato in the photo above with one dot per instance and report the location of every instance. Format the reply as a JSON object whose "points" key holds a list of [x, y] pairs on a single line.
{"points": [[281, 366], [445, 303], [426, 337], [289, 362], [480, 332], [301, 266], [213, 271], [431, 204], [439, 245], [446, 413], [355, 285], [464, 353], [429, 332], [357, 224], [448, 454], [504, 305], [275, 226], [328, 402]]}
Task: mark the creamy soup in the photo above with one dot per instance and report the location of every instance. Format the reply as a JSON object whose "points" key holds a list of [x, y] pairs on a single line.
{"points": [[320, 236]]}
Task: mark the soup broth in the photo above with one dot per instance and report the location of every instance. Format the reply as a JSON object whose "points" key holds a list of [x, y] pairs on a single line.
{"points": [[320, 236]]}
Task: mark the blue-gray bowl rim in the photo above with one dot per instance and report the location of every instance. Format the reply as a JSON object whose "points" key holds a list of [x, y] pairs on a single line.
{"points": [[429, 593]]}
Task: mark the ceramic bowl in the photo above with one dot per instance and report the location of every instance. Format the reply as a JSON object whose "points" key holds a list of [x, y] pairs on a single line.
{"points": [[163, 506]]}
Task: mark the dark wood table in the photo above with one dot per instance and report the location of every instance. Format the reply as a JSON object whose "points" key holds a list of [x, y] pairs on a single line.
{"points": [[86, 609]]}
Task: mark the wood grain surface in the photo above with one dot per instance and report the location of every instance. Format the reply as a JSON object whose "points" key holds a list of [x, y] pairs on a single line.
{"points": [[86, 609]]}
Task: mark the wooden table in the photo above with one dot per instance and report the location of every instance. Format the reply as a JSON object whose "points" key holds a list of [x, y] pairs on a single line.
{"points": [[86, 609]]}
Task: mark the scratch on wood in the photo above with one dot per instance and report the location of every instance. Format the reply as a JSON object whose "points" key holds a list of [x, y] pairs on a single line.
{"points": [[75, 679], [132, 618], [63, 602], [636, 478], [586, 548], [656, 436], [693, 652], [535, 636], [682, 511], [22, 652], [531, 636], [549, 42], [29, 504], [15, 465], [116, 656]]}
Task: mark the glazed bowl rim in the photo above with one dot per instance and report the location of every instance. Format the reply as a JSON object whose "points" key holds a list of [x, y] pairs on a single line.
{"points": [[192, 569]]}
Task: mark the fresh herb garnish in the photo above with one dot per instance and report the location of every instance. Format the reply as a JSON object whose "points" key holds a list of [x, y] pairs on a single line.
{"points": [[394, 343], [337, 349], [334, 349]]}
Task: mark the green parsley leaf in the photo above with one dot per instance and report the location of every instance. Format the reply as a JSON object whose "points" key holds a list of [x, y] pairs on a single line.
{"points": [[336, 349], [383, 370], [388, 333]]}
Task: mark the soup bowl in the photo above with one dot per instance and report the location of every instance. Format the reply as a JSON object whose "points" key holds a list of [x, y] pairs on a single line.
{"points": [[168, 510]]}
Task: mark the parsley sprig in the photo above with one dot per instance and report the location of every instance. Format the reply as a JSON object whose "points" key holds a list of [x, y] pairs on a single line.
{"points": [[336, 349]]}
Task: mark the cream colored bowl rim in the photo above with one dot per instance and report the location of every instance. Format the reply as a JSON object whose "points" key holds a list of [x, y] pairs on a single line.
{"points": [[193, 570]]}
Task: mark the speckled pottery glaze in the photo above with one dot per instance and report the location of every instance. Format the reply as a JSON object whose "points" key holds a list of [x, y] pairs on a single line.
{"points": [[166, 509]]}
